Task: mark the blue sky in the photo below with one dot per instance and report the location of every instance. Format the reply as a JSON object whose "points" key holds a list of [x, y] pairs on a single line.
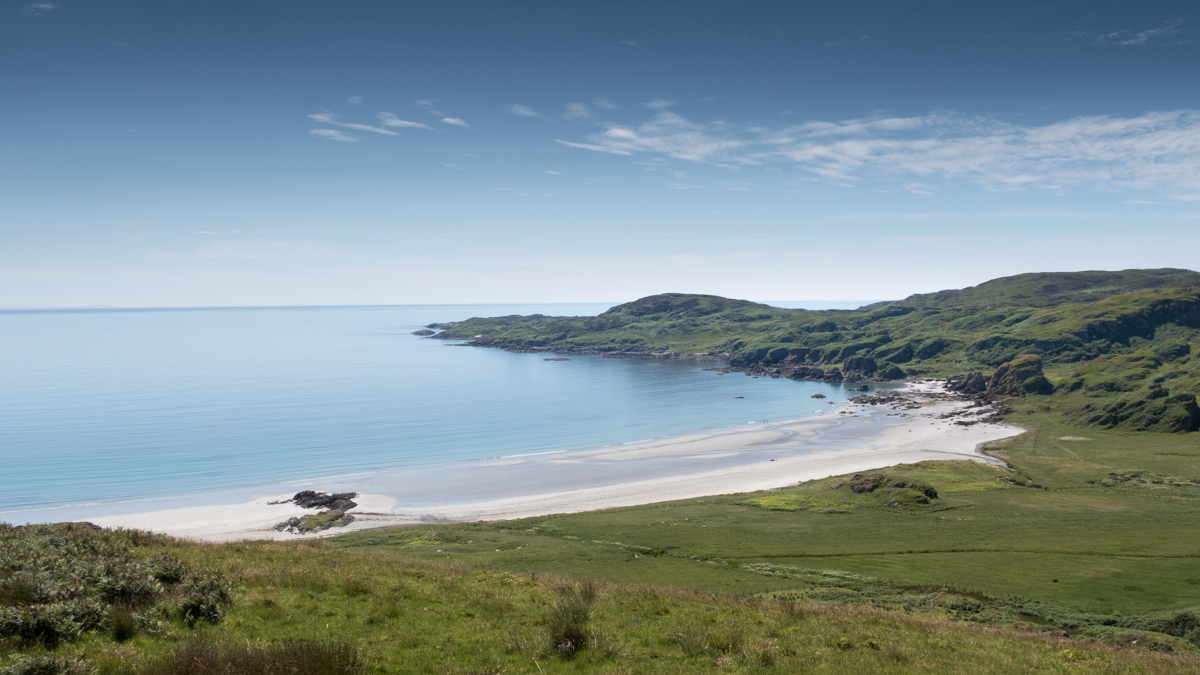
{"points": [[221, 153]]}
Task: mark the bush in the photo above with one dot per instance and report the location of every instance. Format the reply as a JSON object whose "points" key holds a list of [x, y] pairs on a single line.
{"points": [[205, 598], [68, 578], [47, 625]]}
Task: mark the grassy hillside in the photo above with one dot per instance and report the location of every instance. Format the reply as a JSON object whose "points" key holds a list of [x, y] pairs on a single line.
{"points": [[1096, 536], [1120, 346], [311, 609]]}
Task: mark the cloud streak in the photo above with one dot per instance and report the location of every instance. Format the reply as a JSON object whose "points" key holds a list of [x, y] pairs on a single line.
{"points": [[40, 8], [333, 135], [1157, 151], [524, 111], [331, 119], [390, 120]]}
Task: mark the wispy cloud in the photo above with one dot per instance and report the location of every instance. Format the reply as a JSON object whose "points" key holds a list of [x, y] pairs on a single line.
{"points": [[330, 118], [40, 8], [576, 111], [518, 109], [1170, 33], [454, 121], [333, 135], [1157, 151], [390, 120], [428, 106], [659, 104], [605, 104], [354, 100]]}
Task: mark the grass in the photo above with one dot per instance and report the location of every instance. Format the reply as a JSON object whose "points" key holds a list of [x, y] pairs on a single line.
{"points": [[1058, 530], [312, 608]]}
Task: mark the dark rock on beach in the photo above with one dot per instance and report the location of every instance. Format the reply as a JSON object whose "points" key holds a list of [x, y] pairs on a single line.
{"points": [[310, 499]]}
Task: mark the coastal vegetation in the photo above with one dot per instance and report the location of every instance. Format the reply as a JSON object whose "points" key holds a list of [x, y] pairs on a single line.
{"points": [[1116, 347], [312, 608]]}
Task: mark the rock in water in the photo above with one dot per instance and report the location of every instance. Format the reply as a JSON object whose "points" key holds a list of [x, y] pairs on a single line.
{"points": [[423, 332]]}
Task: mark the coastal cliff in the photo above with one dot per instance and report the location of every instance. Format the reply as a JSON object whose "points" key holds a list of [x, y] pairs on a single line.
{"points": [[1070, 335]]}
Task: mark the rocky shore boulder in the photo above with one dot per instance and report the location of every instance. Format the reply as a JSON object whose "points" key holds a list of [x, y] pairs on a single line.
{"points": [[1022, 376]]}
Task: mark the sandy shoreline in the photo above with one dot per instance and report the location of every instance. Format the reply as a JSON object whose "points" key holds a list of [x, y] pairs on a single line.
{"points": [[755, 457]]}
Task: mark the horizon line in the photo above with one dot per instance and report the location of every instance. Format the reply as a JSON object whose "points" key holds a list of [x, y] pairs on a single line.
{"points": [[19, 309]]}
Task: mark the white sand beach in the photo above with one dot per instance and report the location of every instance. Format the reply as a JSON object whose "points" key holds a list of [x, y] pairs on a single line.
{"points": [[758, 456]]}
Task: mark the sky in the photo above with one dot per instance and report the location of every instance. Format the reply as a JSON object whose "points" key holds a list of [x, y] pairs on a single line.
{"points": [[267, 153]]}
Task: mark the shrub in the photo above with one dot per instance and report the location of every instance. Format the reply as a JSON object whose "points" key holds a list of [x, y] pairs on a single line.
{"points": [[205, 598]]}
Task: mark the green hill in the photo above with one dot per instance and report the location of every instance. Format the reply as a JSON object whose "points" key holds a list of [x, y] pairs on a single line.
{"points": [[1087, 328]]}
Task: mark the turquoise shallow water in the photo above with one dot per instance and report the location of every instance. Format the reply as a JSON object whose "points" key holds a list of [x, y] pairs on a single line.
{"points": [[112, 405]]}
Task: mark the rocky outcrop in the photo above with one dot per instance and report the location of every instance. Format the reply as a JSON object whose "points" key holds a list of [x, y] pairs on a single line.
{"points": [[1022, 376], [336, 505], [967, 384], [443, 326], [339, 501]]}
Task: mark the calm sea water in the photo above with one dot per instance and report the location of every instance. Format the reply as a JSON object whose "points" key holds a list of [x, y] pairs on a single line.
{"points": [[111, 405]]}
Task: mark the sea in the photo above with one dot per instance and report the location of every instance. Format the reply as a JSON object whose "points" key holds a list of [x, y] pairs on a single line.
{"points": [[103, 406]]}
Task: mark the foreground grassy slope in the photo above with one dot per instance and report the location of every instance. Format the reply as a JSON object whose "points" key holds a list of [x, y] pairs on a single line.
{"points": [[319, 609], [1114, 343], [1105, 526]]}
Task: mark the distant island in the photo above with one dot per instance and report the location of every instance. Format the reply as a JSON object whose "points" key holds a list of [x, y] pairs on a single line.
{"points": [[1112, 349]]}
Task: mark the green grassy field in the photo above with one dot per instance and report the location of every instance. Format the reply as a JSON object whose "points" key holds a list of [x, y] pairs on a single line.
{"points": [[311, 608], [1058, 538]]}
